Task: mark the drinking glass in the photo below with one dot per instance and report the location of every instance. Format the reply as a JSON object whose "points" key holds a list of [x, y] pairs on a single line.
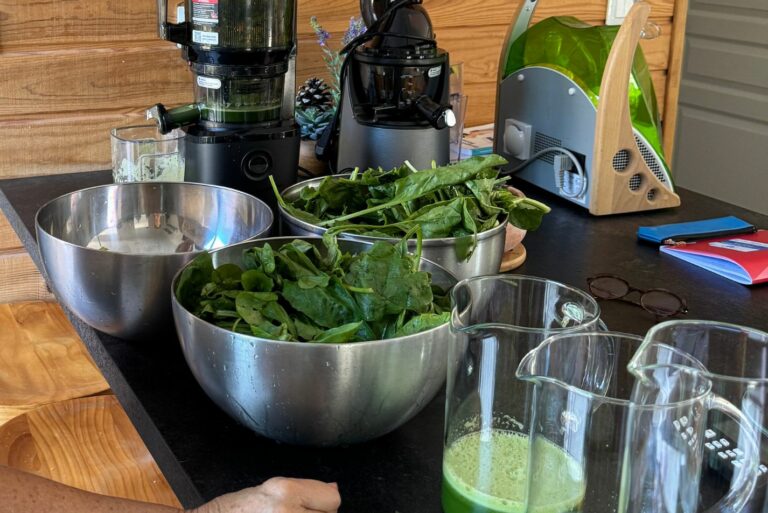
{"points": [[735, 359], [142, 154], [459, 107], [496, 321], [608, 439]]}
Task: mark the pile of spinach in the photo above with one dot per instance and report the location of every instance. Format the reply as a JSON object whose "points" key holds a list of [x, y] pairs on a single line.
{"points": [[299, 293], [460, 200]]}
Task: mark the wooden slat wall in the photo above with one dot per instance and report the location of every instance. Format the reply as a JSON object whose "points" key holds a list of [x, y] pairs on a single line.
{"points": [[72, 69]]}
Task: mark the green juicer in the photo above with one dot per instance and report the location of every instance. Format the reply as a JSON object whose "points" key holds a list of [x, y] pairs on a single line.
{"points": [[240, 128], [549, 89]]}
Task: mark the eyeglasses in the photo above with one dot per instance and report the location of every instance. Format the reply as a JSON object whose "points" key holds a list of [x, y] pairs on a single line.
{"points": [[659, 302]]}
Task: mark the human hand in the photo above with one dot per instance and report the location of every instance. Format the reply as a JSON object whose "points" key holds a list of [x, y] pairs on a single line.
{"points": [[279, 495]]}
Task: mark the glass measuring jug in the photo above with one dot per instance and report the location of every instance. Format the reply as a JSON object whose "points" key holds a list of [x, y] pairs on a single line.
{"points": [[142, 154], [615, 440], [496, 321], [735, 359]]}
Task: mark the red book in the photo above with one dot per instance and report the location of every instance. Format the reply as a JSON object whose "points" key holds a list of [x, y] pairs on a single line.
{"points": [[741, 258]]}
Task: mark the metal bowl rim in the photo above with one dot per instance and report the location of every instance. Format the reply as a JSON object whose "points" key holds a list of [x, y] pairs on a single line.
{"points": [[280, 343], [39, 228], [293, 189]]}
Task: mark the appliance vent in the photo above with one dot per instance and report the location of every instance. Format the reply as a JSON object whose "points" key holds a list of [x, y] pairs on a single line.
{"points": [[621, 160], [543, 141], [650, 159]]}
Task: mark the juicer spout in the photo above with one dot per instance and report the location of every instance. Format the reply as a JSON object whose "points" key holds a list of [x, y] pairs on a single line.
{"points": [[439, 116], [585, 366], [167, 120]]}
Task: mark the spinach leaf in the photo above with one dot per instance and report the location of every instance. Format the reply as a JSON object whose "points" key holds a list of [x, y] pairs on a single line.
{"points": [[328, 306], [262, 259], [341, 334], [415, 185], [297, 265], [227, 276], [306, 330], [298, 293], [525, 213], [249, 305], [390, 203], [257, 281], [193, 279], [422, 322], [439, 219], [483, 188], [340, 194], [394, 284]]}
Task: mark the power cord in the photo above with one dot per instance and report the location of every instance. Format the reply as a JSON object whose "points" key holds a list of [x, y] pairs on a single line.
{"points": [[559, 183]]}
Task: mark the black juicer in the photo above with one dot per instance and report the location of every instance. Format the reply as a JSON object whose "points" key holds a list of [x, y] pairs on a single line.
{"points": [[395, 92], [241, 127]]}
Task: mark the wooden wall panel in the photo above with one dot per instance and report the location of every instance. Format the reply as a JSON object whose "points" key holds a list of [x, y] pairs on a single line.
{"points": [[28, 23], [72, 143], [114, 77], [334, 14]]}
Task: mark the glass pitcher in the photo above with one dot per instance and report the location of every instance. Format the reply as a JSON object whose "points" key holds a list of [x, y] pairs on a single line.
{"points": [[605, 439], [496, 321], [735, 359]]}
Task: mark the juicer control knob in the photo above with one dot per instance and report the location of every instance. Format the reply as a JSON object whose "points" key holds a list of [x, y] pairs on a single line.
{"points": [[257, 165]]}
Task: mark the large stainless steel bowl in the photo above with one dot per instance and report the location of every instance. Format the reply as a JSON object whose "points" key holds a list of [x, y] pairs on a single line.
{"points": [[110, 252], [485, 260], [315, 394]]}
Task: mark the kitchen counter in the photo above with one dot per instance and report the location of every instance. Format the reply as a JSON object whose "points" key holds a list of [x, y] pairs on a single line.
{"points": [[203, 453]]}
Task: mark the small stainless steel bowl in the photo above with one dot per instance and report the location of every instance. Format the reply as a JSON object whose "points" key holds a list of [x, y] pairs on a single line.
{"points": [[315, 394], [485, 260], [110, 252]]}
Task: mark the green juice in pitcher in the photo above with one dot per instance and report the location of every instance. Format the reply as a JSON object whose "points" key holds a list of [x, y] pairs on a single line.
{"points": [[488, 474]]}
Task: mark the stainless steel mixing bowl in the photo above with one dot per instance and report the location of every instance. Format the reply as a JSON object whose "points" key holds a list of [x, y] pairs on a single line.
{"points": [[485, 260], [110, 252], [315, 394]]}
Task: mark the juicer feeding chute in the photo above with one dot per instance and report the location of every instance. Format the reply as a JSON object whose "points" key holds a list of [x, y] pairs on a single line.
{"points": [[240, 128], [395, 92]]}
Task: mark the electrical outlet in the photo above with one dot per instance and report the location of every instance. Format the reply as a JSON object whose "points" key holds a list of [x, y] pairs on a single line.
{"points": [[518, 137], [617, 10]]}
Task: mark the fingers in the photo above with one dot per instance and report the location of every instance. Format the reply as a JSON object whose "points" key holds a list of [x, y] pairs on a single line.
{"points": [[309, 494]]}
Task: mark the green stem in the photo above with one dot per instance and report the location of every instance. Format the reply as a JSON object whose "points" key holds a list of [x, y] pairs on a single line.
{"points": [[359, 290], [359, 213], [280, 199], [541, 206]]}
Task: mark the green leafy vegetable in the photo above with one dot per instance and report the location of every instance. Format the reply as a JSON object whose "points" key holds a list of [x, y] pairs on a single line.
{"points": [[457, 201], [299, 293]]}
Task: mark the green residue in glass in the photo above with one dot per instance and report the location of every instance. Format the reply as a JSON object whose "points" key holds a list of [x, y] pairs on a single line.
{"points": [[580, 51]]}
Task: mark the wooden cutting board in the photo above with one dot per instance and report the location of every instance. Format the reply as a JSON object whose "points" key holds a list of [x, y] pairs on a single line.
{"points": [[88, 443], [42, 360]]}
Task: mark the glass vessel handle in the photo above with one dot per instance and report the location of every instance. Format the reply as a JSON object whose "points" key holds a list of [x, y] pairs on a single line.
{"points": [[743, 485]]}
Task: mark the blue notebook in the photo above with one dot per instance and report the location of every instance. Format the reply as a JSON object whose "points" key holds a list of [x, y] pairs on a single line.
{"points": [[694, 230]]}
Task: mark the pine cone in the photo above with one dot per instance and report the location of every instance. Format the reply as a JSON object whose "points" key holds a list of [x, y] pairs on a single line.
{"points": [[314, 93]]}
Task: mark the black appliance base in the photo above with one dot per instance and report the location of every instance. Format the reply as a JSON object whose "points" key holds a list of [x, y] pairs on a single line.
{"points": [[243, 159]]}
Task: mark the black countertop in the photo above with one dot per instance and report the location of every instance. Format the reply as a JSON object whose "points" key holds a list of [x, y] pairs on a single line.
{"points": [[203, 453]]}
